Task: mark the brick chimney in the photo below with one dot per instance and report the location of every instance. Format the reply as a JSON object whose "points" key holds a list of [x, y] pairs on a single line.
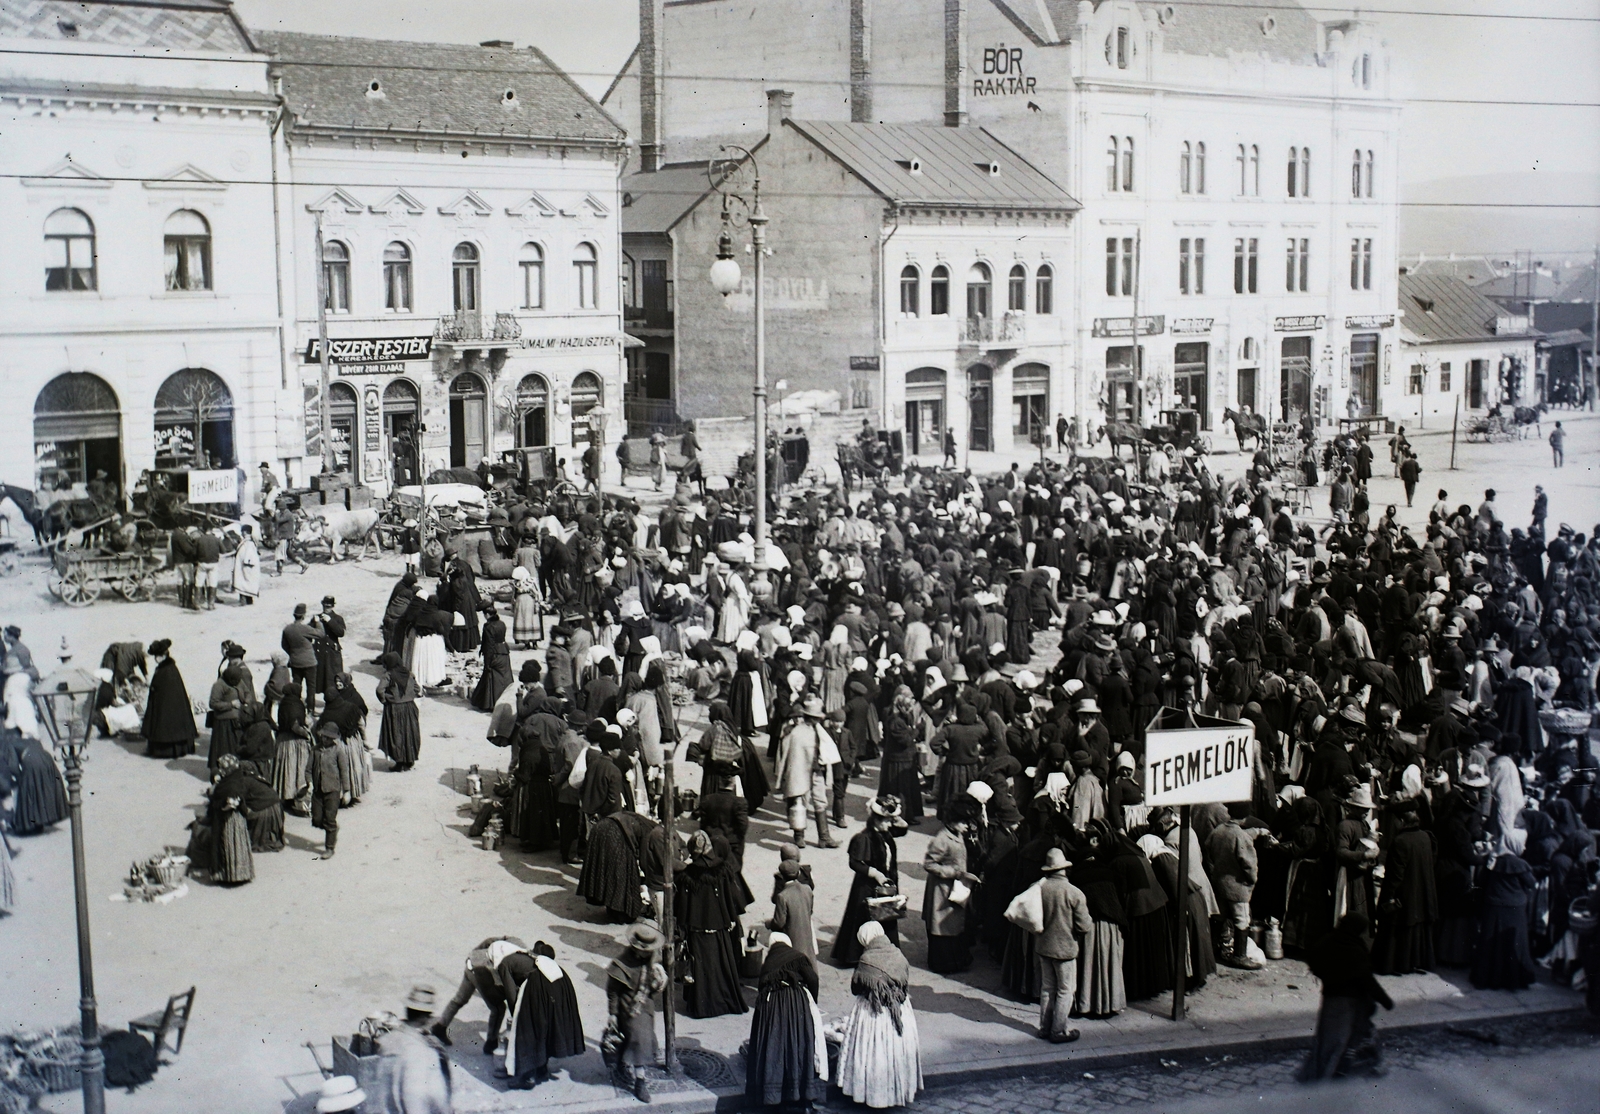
{"points": [[861, 61], [955, 63], [780, 104], [651, 19]]}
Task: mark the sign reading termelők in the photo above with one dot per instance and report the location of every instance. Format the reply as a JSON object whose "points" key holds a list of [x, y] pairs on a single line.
{"points": [[1002, 74], [1211, 761]]}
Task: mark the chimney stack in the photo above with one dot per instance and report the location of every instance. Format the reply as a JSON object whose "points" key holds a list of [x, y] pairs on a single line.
{"points": [[955, 63], [861, 61], [780, 103], [650, 33]]}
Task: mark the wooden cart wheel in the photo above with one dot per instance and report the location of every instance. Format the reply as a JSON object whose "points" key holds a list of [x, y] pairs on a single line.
{"points": [[8, 564], [135, 587], [79, 589], [54, 584]]}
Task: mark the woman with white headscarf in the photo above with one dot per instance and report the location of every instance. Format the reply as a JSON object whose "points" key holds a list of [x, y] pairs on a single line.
{"points": [[880, 1058], [1201, 963], [835, 668]]}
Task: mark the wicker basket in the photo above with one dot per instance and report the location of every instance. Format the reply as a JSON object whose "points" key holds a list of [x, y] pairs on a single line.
{"points": [[169, 872], [1565, 721], [58, 1076]]}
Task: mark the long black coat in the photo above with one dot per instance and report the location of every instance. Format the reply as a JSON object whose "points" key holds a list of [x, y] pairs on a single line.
{"points": [[169, 714]]}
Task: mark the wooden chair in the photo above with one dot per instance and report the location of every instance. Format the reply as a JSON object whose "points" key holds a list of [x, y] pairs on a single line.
{"points": [[175, 1018]]}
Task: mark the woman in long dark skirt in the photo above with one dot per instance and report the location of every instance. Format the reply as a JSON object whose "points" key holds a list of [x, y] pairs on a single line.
{"points": [[533, 798], [262, 809], [225, 703], [702, 910], [1404, 942], [1502, 960], [168, 728], [1307, 841], [1458, 825], [781, 1064], [1019, 969], [231, 861], [1202, 962], [496, 661], [465, 602], [39, 795], [611, 873], [544, 1021], [875, 861], [1345, 1042], [1147, 940], [400, 735], [898, 776]]}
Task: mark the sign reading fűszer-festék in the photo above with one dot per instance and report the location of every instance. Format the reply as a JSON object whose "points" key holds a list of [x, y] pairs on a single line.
{"points": [[1199, 765]]}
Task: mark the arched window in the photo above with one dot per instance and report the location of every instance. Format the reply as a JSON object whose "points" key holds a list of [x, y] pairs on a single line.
{"points": [[1127, 164], [1255, 171], [1186, 168], [939, 291], [194, 421], [1294, 172], [533, 409], [464, 277], [1242, 159], [978, 285], [1017, 288], [587, 395], [1199, 168], [586, 272], [397, 278], [1044, 282], [188, 250], [531, 260], [69, 259], [910, 288], [335, 277], [1369, 174], [77, 431], [1113, 163], [1119, 164]]}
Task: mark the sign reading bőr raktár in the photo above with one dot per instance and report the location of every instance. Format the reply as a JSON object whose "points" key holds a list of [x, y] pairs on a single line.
{"points": [[1210, 762], [1001, 74]]}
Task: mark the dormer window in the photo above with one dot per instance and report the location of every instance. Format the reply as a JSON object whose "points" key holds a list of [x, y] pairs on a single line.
{"points": [[375, 90], [1119, 47]]}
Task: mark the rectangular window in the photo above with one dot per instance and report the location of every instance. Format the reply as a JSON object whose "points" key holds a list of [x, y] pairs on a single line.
{"points": [[1191, 266], [397, 286], [1119, 265], [939, 293], [1361, 264], [1415, 380], [188, 262], [909, 291], [1113, 163], [588, 276], [1127, 164], [336, 273], [1366, 264], [1122, 382], [1044, 291], [532, 283], [1296, 265], [1245, 265], [1444, 377], [1017, 289]]}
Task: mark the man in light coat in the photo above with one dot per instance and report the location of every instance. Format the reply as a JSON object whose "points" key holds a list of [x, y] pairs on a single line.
{"points": [[1231, 859], [804, 771], [1066, 917]]}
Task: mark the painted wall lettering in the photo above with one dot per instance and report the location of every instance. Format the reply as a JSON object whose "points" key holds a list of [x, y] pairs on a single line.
{"points": [[1002, 73]]}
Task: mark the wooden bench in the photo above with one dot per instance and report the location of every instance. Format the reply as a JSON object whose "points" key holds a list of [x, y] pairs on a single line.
{"points": [[175, 1018]]}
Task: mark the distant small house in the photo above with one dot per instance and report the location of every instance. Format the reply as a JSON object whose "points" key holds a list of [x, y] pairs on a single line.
{"points": [[1455, 345]]}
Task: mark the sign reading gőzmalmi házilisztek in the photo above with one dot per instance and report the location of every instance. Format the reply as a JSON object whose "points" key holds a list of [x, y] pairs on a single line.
{"points": [[1199, 765]]}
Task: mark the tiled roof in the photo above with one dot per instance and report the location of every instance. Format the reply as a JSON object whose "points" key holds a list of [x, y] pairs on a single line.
{"points": [[1202, 28], [1439, 308], [1579, 286], [954, 166], [1521, 287], [434, 88], [194, 25], [654, 202]]}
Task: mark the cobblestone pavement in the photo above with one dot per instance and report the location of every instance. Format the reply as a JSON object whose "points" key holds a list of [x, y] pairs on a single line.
{"points": [[1492, 1049]]}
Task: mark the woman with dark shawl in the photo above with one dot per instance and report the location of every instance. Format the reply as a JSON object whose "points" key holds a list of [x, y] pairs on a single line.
{"points": [[718, 736], [1201, 961], [545, 1024], [346, 708], [1502, 960], [465, 602], [961, 744], [1101, 989], [898, 776], [781, 1063], [231, 861], [400, 734], [39, 796], [880, 1058], [1019, 967], [532, 819], [1147, 951], [291, 766], [168, 712], [400, 597], [1410, 905], [1307, 842], [875, 861], [262, 809], [1345, 1042], [224, 703], [496, 661], [710, 932]]}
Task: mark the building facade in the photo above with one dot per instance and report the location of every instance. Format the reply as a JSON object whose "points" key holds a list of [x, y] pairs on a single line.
{"points": [[1460, 353], [139, 324], [1237, 167], [469, 285]]}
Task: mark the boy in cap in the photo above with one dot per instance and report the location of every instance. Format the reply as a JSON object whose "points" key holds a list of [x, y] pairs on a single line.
{"points": [[326, 786], [792, 910]]}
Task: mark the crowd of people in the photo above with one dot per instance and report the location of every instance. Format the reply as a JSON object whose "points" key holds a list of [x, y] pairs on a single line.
{"points": [[979, 658]]}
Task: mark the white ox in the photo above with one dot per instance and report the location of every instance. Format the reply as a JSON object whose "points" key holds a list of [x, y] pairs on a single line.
{"points": [[337, 526]]}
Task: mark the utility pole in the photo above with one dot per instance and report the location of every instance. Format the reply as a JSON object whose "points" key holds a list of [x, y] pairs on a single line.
{"points": [[1138, 364], [323, 418], [1591, 382]]}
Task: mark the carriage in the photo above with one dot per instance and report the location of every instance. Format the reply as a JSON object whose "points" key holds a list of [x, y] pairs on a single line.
{"points": [[875, 462], [1491, 428], [79, 576], [1181, 430]]}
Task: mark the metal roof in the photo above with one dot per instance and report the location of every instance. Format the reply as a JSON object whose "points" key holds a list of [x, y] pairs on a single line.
{"points": [[954, 166], [1440, 309], [192, 25], [655, 201], [434, 88]]}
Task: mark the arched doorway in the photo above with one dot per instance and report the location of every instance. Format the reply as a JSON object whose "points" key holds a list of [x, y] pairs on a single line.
{"points": [[194, 421], [77, 432], [533, 411], [1030, 402], [587, 394], [344, 420], [469, 420], [402, 411], [980, 408], [925, 391]]}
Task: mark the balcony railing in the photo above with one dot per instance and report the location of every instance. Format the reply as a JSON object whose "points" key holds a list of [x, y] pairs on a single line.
{"points": [[995, 332], [466, 326]]}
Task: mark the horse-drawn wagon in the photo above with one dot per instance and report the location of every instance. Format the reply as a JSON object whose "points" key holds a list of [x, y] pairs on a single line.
{"points": [[80, 576]]}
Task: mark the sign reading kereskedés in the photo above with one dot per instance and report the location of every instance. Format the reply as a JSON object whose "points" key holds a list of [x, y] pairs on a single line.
{"points": [[370, 355], [1199, 765], [214, 487]]}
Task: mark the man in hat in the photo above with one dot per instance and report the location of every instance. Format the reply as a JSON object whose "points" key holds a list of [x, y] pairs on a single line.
{"points": [[326, 786], [299, 641], [1230, 857], [803, 769], [632, 982], [1066, 918], [792, 910], [420, 1072], [330, 627]]}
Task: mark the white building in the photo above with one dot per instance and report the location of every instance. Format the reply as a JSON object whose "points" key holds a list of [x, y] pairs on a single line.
{"points": [[1457, 349], [468, 204], [139, 322], [1237, 165]]}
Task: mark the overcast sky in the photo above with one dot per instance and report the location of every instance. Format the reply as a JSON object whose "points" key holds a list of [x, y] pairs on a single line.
{"points": [[1497, 60]]}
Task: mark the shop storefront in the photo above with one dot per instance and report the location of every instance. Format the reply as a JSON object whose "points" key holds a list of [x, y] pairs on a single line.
{"points": [[980, 408], [1030, 402], [77, 432], [1191, 363], [925, 408], [194, 421]]}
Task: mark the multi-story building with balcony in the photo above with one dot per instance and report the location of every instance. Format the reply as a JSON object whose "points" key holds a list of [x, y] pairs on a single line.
{"points": [[1237, 166], [465, 203]]}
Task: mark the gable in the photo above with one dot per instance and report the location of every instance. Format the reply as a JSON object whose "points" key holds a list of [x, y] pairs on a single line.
{"points": [[399, 200], [186, 177], [69, 172], [336, 199], [467, 200]]}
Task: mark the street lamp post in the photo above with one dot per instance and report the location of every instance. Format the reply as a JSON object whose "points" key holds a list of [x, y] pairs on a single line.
{"points": [[64, 702], [725, 280]]}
